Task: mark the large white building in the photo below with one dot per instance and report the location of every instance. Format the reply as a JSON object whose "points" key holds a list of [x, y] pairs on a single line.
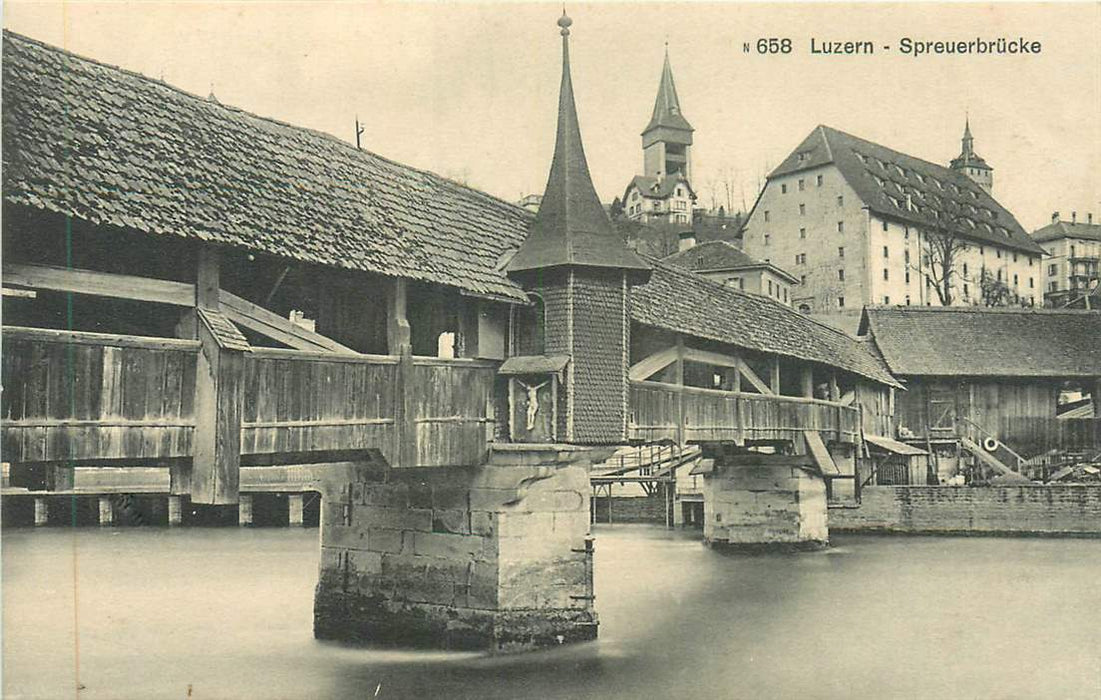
{"points": [[861, 224]]}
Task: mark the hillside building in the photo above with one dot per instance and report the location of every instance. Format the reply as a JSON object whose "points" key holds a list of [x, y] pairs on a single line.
{"points": [[859, 223], [1071, 274], [663, 193], [725, 263]]}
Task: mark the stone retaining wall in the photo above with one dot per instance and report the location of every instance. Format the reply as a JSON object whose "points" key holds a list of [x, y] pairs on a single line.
{"points": [[1019, 509]]}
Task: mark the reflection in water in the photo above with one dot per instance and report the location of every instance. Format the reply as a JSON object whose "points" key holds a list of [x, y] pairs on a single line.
{"points": [[226, 613]]}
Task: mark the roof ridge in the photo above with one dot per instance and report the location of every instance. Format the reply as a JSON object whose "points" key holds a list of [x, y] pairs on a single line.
{"points": [[873, 309], [9, 34]]}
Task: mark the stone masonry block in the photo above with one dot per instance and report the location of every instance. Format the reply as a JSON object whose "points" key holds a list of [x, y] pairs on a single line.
{"points": [[450, 497], [384, 540], [452, 521], [346, 537], [534, 525], [448, 546], [366, 563], [483, 522], [393, 518], [395, 495]]}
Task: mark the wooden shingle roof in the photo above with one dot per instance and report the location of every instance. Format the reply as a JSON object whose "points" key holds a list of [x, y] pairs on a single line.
{"points": [[978, 341], [113, 147], [681, 301], [902, 187]]}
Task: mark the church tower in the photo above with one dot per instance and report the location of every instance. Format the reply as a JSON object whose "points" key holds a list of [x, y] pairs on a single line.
{"points": [[971, 164], [667, 139], [575, 265]]}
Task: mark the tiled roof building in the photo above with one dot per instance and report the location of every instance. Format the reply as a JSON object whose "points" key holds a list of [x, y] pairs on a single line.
{"points": [[859, 221], [724, 262], [1073, 266]]}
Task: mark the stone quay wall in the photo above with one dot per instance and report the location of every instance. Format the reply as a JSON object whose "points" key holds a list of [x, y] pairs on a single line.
{"points": [[493, 557], [1071, 509]]}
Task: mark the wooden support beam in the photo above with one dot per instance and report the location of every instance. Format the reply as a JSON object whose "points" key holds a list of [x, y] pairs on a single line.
{"points": [[847, 398], [216, 442], [681, 428], [398, 334], [269, 324], [746, 371], [647, 367], [103, 284], [774, 375], [711, 358], [807, 382]]}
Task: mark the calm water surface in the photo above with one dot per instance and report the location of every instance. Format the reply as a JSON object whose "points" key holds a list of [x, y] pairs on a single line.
{"points": [[226, 613]]}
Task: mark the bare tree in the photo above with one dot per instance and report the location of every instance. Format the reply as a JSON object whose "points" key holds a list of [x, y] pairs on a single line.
{"points": [[943, 246], [994, 291]]}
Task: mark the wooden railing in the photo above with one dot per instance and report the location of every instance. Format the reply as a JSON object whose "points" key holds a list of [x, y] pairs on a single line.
{"points": [[87, 396], [690, 414], [76, 397]]}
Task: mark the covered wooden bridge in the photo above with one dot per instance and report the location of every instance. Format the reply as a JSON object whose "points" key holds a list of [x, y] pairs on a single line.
{"points": [[190, 286]]}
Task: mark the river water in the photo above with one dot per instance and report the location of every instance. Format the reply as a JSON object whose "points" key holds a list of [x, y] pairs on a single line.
{"points": [[226, 613]]}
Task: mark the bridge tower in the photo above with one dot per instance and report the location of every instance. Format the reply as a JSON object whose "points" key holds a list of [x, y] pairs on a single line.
{"points": [[581, 270]]}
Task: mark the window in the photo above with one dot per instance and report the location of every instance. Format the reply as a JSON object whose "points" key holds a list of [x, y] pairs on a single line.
{"points": [[840, 200], [766, 239], [785, 295], [907, 277], [819, 180], [803, 280], [784, 188], [886, 274], [840, 226], [803, 155], [841, 275], [741, 284], [982, 250], [770, 287], [679, 205], [886, 300], [1014, 257], [907, 300], [840, 302], [802, 184], [1051, 269], [906, 233], [999, 252], [966, 291], [1030, 285], [680, 191], [906, 256], [802, 233], [766, 215], [886, 252], [999, 274], [965, 269], [885, 226], [1053, 287], [802, 210], [1014, 279], [657, 205], [1030, 261], [841, 251]]}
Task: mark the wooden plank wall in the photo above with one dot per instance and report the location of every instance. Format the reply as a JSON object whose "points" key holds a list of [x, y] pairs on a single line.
{"points": [[450, 407], [71, 396], [302, 402]]}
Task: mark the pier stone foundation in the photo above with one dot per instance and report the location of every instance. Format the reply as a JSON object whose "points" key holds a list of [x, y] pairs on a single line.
{"points": [[494, 557], [765, 502]]}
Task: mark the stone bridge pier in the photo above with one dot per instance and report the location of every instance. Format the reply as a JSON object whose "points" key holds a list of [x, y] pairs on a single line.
{"points": [[764, 502], [494, 557]]}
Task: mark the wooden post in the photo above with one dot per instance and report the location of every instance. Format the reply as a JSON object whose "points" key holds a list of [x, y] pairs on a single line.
{"points": [[774, 375], [106, 511], [295, 507], [216, 444], [835, 392], [41, 512], [679, 369], [175, 511], [398, 333], [244, 510], [807, 381]]}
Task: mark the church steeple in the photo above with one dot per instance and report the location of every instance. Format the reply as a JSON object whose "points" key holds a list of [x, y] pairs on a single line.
{"points": [[970, 163], [667, 138], [571, 226]]}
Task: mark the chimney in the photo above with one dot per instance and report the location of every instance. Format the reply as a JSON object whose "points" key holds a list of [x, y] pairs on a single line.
{"points": [[687, 239], [1054, 217], [1074, 217]]}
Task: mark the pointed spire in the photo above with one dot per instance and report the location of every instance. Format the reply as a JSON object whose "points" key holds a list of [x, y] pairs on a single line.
{"points": [[571, 226], [667, 111]]}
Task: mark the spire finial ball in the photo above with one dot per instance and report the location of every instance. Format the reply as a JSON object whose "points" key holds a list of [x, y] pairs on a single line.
{"points": [[565, 23]]}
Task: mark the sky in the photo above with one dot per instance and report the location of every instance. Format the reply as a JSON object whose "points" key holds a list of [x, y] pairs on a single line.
{"points": [[469, 90]]}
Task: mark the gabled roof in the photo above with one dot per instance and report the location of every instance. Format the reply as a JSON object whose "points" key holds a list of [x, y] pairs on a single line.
{"points": [[658, 187], [681, 301], [978, 341], [1066, 229], [667, 105], [571, 227], [115, 148], [904, 188], [721, 255]]}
